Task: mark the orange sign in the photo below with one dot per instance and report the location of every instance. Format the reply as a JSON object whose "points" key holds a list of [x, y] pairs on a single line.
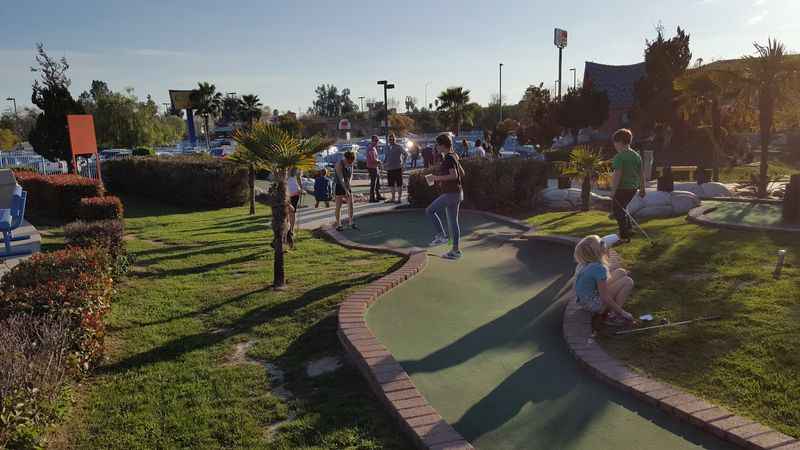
{"points": [[81, 134]]}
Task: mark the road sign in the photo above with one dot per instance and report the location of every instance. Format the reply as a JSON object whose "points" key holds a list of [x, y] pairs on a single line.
{"points": [[560, 38], [344, 124]]}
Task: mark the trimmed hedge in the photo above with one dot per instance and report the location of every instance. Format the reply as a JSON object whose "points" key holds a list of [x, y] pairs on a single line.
{"points": [[75, 283], [182, 180], [505, 185], [57, 196], [100, 208], [107, 234], [144, 151]]}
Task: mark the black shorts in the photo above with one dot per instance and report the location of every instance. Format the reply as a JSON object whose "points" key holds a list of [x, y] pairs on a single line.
{"points": [[340, 190], [395, 177], [294, 200]]}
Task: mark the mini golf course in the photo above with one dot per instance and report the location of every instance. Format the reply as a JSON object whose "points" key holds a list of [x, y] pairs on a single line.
{"points": [[482, 340], [742, 215]]}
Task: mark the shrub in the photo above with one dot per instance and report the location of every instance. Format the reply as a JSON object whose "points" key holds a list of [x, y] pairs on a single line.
{"points": [[100, 208], [489, 185], [184, 181], [106, 234], [144, 151], [57, 196], [75, 283], [33, 370]]}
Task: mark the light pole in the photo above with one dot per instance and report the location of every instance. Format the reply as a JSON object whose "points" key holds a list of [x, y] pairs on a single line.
{"points": [[500, 100], [362, 103], [386, 86], [574, 78], [426, 93], [16, 117]]}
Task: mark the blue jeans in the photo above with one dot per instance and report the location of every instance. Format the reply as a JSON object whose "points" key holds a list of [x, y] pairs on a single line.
{"points": [[450, 202]]}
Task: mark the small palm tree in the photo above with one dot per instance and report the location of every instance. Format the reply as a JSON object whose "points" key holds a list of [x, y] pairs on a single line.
{"points": [[251, 109], [208, 103], [269, 147], [453, 102], [584, 164]]}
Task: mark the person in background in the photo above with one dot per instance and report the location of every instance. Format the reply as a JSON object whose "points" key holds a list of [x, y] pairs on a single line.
{"points": [[464, 148], [343, 190], [627, 179], [427, 155], [396, 156], [295, 192], [479, 151], [448, 176], [598, 291], [414, 155], [374, 169], [322, 188]]}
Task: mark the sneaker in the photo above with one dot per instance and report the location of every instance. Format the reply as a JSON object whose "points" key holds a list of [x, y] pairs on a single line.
{"points": [[438, 240], [453, 254], [339, 228]]}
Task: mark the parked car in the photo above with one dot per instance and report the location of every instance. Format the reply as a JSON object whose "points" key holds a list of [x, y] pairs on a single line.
{"points": [[221, 152], [115, 153]]}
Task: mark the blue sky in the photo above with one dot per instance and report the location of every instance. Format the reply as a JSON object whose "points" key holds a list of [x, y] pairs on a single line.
{"points": [[281, 50]]}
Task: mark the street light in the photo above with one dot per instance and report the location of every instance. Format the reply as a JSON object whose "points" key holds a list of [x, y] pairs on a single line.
{"points": [[500, 101], [574, 78], [386, 86], [16, 117]]}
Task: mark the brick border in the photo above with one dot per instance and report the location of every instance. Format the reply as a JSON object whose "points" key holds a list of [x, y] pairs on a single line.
{"points": [[697, 217], [740, 431]]}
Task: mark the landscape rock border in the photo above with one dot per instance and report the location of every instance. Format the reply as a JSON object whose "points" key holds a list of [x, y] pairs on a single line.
{"points": [[741, 431]]}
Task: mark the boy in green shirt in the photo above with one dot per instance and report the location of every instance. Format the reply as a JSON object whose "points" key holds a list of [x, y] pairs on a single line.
{"points": [[628, 178]]}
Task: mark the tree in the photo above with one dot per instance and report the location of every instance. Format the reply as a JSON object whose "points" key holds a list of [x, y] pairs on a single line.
{"points": [[330, 103], [501, 132], [453, 103], [8, 139], [583, 107], [426, 121], [400, 124], [208, 103], [584, 164], [250, 109], [289, 123], [49, 136], [231, 109], [765, 80], [272, 148], [665, 61], [538, 117]]}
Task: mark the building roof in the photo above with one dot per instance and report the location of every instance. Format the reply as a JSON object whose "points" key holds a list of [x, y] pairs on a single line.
{"points": [[617, 81]]}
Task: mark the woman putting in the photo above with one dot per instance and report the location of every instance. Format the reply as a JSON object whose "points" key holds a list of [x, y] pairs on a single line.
{"points": [[342, 189], [448, 175]]}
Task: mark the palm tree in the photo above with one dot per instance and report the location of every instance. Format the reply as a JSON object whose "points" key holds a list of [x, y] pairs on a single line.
{"points": [[584, 164], [251, 109], [453, 101], [208, 103], [765, 79], [273, 149]]}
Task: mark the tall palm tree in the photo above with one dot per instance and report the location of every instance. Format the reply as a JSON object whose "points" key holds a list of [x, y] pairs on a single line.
{"points": [[251, 109], [765, 78], [453, 101], [273, 149], [208, 103]]}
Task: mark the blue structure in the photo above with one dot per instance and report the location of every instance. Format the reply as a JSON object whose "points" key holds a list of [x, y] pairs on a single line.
{"points": [[190, 126]]}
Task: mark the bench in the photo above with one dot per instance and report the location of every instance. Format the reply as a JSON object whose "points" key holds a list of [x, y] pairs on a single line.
{"points": [[683, 173]]}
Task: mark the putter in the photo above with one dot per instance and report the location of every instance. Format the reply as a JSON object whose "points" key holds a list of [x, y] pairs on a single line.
{"points": [[638, 227], [669, 325]]}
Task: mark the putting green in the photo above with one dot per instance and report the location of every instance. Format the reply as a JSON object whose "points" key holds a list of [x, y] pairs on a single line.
{"points": [[481, 338], [744, 213]]}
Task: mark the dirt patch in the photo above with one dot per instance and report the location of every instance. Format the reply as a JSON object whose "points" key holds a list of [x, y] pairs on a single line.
{"points": [[702, 276], [322, 366]]}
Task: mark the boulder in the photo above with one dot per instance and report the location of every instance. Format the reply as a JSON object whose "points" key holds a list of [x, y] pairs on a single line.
{"points": [[657, 204], [567, 199], [705, 190]]}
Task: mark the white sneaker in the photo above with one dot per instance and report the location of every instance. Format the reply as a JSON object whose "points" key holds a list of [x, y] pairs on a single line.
{"points": [[453, 254], [439, 240]]}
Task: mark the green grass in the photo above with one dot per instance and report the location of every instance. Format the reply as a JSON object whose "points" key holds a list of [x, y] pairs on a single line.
{"points": [[743, 173], [198, 288], [749, 360]]}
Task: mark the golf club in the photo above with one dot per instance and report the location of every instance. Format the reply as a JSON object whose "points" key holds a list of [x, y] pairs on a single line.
{"points": [[638, 227], [669, 325]]}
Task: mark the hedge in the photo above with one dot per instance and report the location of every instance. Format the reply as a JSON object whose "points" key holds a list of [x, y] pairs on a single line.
{"points": [[100, 208], [143, 151], [504, 185], [106, 234], [181, 180], [57, 196], [75, 283]]}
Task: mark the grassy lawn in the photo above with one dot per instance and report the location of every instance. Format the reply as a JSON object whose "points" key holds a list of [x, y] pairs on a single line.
{"points": [[193, 324], [749, 360], [742, 173]]}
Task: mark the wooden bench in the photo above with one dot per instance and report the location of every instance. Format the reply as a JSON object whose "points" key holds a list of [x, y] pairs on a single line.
{"points": [[679, 171]]}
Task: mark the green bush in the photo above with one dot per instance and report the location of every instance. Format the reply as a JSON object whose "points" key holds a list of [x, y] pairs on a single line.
{"points": [[144, 151], [73, 282], [105, 234], [57, 196], [190, 181], [505, 185], [100, 208]]}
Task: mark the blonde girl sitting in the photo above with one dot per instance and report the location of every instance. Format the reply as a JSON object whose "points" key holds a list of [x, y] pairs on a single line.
{"points": [[598, 291]]}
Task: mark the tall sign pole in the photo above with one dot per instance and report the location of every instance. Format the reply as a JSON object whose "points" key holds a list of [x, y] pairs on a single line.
{"points": [[500, 100], [560, 41]]}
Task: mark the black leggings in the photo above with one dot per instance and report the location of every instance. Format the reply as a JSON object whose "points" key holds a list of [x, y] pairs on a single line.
{"points": [[374, 184], [621, 199]]}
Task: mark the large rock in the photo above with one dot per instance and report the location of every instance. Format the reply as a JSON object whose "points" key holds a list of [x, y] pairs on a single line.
{"points": [[706, 190], [657, 204], [567, 199]]}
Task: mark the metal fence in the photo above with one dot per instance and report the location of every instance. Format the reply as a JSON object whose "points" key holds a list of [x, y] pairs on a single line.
{"points": [[31, 161]]}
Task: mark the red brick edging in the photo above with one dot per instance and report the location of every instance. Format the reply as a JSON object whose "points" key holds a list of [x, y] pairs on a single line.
{"points": [[746, 433]]}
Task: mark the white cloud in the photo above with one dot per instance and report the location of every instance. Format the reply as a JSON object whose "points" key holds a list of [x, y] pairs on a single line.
{"points": [[758, 18], [757, 3]]}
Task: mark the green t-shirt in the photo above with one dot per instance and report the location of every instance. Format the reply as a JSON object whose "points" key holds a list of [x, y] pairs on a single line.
{"points": [[630, 164]]}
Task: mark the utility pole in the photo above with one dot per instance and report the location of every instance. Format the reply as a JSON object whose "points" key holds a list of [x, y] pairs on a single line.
{"points": [[426, 93], [560, 41], [500, 100], [362, 103], [574, 78], [386, 86]]}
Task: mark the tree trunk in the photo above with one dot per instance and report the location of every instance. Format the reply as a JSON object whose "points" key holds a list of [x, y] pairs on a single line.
{"points": [[791, 202], [766, 110], [252, 184], [716, 128], [586, 192], [278, 203], [208, 144]]}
